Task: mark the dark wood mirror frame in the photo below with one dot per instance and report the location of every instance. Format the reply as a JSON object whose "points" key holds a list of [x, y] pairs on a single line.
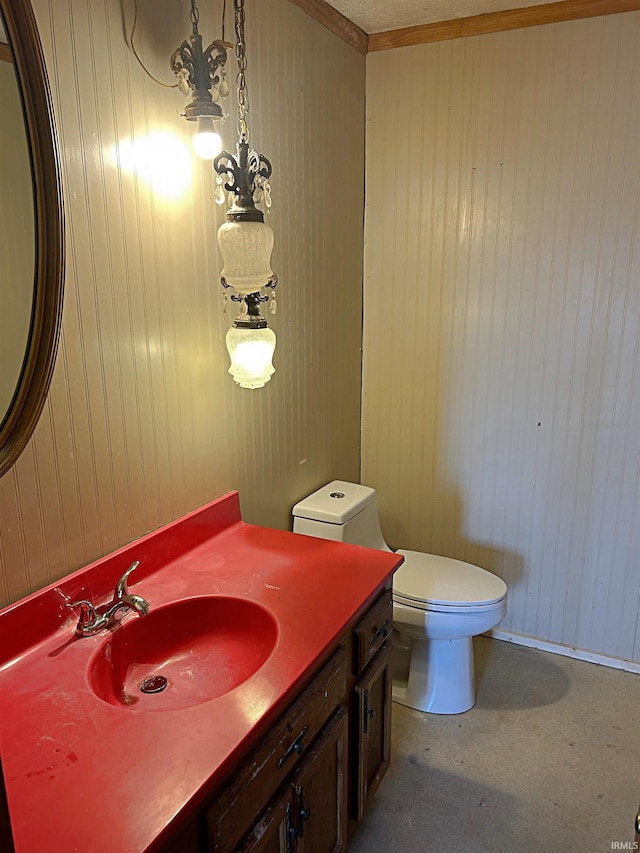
{"points": [[31, 391]]}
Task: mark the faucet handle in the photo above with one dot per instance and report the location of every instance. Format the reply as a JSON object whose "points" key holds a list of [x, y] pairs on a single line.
{"points": [[88, 613], [121, 587]]}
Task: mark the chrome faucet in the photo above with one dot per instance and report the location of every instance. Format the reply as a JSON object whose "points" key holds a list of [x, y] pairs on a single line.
{"points": [[93, 619]]}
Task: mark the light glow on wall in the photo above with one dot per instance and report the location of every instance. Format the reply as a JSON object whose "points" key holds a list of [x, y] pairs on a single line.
{"points": [[162, 160]]}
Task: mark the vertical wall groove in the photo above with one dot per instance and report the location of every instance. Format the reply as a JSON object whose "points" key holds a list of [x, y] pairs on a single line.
{"points": [[143, 423], [512, 387]]}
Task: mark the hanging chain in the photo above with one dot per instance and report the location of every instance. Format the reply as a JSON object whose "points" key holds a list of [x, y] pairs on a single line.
{"points": [[195, 17], [241, 83]]}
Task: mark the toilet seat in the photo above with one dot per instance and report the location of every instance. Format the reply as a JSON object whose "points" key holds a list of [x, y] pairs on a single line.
{"points": [[429, 607], [431, 582]]}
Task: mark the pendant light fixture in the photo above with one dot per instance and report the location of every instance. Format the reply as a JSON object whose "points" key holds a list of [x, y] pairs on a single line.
{"points": [[246, 241], [197, 72]]}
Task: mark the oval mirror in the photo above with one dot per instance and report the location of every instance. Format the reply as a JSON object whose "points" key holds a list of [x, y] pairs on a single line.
{"points": [[31, 238]]}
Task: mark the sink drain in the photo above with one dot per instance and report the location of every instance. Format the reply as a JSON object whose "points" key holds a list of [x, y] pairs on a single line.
{"points": [[154, 684]]}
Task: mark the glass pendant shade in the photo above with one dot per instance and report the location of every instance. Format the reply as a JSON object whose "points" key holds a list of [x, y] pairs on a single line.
{"points": [[246, 251], [251, 351], [206, 141]]}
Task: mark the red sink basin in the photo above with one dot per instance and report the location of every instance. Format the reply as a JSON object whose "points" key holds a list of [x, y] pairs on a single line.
{"points": [[203, 647]]}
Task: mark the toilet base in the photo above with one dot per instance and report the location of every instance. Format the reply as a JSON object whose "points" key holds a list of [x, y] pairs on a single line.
{"points": [[441, 677]]}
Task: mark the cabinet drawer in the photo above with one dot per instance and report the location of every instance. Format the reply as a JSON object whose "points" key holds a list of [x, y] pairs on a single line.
{"points": [[272, 833], [372, 630], [253, 785]]}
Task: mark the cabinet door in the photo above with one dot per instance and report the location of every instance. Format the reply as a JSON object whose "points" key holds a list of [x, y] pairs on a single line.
{"points": [[319, 788], [373, 721], [273, 833], [6, 838], [248, 792]]}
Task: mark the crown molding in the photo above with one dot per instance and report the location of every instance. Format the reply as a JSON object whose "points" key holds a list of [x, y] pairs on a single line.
{"points": [[494, 22], [334, 21]]}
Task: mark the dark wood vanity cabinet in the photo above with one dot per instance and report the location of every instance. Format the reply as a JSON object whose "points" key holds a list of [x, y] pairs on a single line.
{"points": [[295, 783], [371, 703], [6, 837], [314, 772], [310, 814], [372, 721]]}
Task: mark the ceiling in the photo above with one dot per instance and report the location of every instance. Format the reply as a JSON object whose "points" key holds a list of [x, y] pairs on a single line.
{"points": [[377, 16]]}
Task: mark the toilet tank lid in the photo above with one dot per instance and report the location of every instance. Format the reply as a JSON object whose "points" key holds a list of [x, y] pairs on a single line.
{"points": [[335, 503]]}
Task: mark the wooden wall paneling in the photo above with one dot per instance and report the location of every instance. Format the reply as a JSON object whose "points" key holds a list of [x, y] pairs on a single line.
{"points": [[501, 317], [143, 422]]}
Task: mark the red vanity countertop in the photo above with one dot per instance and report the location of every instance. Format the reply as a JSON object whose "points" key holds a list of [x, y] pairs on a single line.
{"points": [[82, 774]]}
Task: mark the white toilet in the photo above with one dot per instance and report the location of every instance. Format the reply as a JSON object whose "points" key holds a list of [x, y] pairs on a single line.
{"points": [[439, 604]]}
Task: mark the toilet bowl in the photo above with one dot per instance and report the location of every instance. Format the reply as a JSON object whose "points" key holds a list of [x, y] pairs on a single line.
{"points": [[439, 603]]}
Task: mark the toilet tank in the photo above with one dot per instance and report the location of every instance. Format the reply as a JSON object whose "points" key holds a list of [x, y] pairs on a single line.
{"points": [[343, 512]]}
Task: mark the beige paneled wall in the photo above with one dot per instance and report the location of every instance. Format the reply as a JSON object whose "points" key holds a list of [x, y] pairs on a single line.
{"points": [[143, 423], [501, 404]]}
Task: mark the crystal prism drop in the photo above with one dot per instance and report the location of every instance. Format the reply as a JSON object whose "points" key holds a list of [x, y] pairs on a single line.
{"points": [[219, 195], [183, 81], [273, 305], [223, 88], [215, 94], [231, 198], [267, 194], [257, 195], [243, 308]]}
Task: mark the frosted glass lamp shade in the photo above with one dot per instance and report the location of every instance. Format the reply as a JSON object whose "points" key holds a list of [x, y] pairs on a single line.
{"points": [[251, 351], [246, 251], [206, 140]]}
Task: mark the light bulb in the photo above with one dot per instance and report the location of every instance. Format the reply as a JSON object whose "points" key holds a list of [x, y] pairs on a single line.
{"points": [[251, 351], [206, 142]]}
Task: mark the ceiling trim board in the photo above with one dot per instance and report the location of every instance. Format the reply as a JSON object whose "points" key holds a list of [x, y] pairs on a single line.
{"points": [[5, 52], [493, 22], [336, 22]]}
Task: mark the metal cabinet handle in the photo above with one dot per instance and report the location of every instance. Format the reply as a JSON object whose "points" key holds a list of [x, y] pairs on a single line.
{"points": [[291, 831], [368, 713], [305, 814], [382, 631], [296, 746]]}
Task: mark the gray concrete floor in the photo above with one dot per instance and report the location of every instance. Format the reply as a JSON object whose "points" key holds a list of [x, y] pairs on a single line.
{"points": [[548, 760]]}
